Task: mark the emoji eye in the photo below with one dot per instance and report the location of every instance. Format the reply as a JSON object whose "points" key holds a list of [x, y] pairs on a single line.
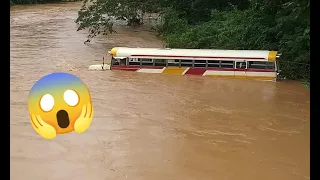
{"points": [[71, 97], [46, 102]]}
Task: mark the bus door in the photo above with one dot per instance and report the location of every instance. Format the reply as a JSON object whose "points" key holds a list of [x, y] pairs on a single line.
{"points": [[241, 65], [240, 69]]}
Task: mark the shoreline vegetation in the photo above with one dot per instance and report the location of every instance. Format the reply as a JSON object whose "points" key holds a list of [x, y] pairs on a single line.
{"points": [[283, 26], [306, 84]]}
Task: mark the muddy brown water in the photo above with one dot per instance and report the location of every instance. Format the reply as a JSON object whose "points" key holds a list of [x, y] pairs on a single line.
{"points": [[150, 126]]}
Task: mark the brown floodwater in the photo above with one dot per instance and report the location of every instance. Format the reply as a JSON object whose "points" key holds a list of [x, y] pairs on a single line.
{"points": [[150, 126]]}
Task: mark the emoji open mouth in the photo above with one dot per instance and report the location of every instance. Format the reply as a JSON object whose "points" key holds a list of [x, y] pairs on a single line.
{"points": [[63, 119]]}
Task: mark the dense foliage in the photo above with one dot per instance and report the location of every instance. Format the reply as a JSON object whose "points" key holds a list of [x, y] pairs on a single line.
{"points": [[223, 24], [284, 27]]}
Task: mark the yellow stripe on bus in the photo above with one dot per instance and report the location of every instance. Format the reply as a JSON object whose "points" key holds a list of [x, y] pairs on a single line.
{"points": [[240, 77], [261, 78], [174, 70]]}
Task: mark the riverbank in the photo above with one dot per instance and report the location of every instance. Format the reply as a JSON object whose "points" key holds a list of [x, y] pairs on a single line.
{"points": [[25, 2], [306, 84]]}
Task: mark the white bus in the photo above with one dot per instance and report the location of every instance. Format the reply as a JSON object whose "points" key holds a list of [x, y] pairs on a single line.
{"points": [[249, 64]]}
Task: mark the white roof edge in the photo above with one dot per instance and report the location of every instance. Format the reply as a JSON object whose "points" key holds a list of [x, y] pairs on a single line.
{"points": [[119, 57]]}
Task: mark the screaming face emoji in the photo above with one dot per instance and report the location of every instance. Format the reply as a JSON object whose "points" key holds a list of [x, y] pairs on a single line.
{"points": [[59, 103]]}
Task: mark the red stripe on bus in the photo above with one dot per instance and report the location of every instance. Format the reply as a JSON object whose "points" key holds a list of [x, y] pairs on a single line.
{"points": [[124, 68], [221, 57], [139, 67], [196, 71]]}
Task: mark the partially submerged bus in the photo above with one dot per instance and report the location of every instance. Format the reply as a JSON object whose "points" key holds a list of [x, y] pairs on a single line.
{"points": [[248, 64]]}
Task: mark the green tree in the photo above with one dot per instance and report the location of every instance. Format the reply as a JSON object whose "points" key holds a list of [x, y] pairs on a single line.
{"points": [[98, 15]]}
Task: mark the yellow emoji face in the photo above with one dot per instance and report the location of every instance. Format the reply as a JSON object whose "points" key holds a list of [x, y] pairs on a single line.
{"points": [[59, 103]]}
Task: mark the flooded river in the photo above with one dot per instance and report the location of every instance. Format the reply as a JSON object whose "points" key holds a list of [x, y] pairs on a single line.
{"points": [[150, 126]]}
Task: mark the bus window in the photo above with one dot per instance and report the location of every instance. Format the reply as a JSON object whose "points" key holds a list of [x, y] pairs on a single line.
{"points": [[116, 62], [257, 65], [270, 65], [241, 65], [146, 62], [200, 63], [123, 61], [213, 63], [186, 63], [173, 62], [227, 64], [134, 62], [159, 62]]}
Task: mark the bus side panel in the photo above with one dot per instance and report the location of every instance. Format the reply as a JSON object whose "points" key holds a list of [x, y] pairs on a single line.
{"points": [[227, 74], [148, 70], [240, 74], [217, 73], [125, 68], [271, 76]]}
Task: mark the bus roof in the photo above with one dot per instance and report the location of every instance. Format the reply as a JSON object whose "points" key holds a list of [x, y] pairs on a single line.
{"points": [[195, 54]]}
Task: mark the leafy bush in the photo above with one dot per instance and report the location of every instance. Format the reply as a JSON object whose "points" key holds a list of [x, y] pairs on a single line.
{"points": [[287, 30]]}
